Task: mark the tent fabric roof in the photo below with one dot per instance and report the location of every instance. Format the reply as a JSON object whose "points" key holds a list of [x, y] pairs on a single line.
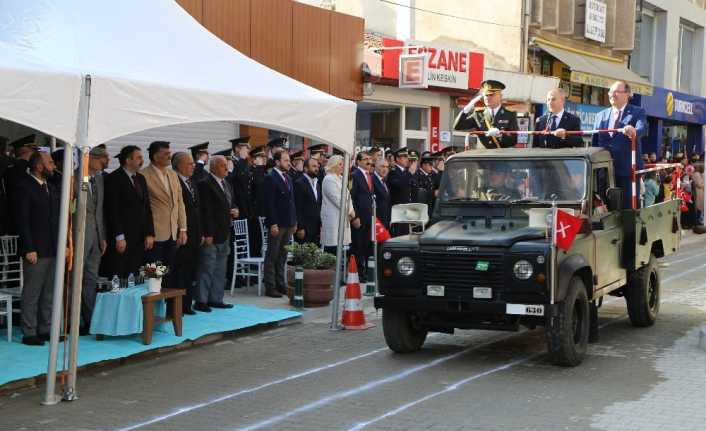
{"points": [[151, 64], [603, 72]]}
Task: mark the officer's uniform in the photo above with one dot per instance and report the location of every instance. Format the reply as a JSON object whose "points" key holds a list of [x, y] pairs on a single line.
{"points": [[483, 119]]}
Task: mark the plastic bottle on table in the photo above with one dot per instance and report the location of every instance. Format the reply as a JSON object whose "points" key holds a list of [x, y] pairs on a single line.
{"points": [[131, 280], [115, 282]]}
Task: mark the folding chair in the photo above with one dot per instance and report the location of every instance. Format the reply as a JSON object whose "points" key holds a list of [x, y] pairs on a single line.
{"points": [[7, 314], [11, 269], [245, 265]]}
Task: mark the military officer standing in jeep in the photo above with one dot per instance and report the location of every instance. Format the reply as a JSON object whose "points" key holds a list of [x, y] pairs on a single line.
{"points": [[493, 118]]}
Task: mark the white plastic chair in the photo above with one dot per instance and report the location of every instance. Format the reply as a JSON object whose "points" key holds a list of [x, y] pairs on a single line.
{"points": [[245, 265], [7, 299], [415, 215], [11, 269]]}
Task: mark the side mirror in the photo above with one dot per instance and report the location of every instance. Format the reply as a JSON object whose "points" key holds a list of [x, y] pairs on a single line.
{"points": [[615, 198]]}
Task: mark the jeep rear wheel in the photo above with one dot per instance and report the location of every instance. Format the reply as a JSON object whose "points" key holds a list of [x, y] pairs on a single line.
{"points": [[401, 333], [642, 294], [567, 331]]}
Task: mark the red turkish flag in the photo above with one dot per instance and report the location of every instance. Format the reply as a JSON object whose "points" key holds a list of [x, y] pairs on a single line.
{"points": [[566, 227], [381, 234]]}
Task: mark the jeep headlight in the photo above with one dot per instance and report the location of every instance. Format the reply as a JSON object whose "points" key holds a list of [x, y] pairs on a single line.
{"points": [[405, 266], [522, 270]]}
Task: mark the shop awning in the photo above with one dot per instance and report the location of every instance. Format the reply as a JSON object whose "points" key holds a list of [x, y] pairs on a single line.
{"points": [[596, 70], [522, 86]]}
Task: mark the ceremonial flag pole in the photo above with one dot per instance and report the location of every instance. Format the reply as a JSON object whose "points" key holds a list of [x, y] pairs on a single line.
{"points": [[552, 258]]}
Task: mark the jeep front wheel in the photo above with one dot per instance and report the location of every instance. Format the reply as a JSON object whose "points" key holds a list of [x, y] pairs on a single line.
{"points": [[401, 333], [567, 330]]}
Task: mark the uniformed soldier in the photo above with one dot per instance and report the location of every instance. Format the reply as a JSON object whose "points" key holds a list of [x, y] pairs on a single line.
{"points": [[399, 181], [424, 191], [200, 154], [318, 152], [492, 118], [258, 161], [297, 169], [500, 185], [272, 146]]}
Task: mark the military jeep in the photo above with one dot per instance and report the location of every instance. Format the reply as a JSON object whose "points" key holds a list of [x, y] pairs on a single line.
{"points": [[485, 259]]}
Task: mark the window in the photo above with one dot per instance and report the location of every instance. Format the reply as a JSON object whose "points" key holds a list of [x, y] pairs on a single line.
{"points": [[416, 118], [642, 58], [685, 60]]}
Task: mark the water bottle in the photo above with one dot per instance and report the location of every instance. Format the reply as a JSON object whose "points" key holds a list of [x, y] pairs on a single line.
{"points": [[115, 282], [131, 280]]}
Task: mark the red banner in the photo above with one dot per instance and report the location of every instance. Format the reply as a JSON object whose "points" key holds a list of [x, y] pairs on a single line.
{"points": [[434, 133]]}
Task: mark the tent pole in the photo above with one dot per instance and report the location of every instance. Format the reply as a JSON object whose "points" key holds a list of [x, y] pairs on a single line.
{"points": [[79, 236], [50, 397], [343, 218]]}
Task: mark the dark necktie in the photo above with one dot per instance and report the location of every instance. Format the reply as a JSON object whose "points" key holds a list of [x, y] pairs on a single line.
{"points": [[45, 188], [226, 191], [92, 181], [286, 182], [136, 185], [617, 120]]}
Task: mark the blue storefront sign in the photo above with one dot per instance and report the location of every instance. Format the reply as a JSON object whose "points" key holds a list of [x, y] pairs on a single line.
{"points": [[587, 113], [673, 105]]}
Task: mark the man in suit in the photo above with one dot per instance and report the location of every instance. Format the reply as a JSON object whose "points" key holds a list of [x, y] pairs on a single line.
{"points": [[16, 170], [128, 216], [493, 118], [36, 205], [187, 256], [218, 209], [632, 119], [307, 199], [168, 213], [557, 121], [382, 192], [281, 220], [200, 155], [399, 181], [95, 243], [362, 191]]}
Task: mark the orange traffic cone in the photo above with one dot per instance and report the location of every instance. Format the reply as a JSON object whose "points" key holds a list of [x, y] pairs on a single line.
{"points": [[353, 317]]}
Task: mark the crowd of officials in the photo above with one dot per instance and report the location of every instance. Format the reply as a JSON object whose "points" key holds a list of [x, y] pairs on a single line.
{"points": [[178, 209]]}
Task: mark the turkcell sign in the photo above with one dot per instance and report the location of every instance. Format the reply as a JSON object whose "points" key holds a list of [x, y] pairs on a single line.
{"points": [[445, 67], [673, 105]]}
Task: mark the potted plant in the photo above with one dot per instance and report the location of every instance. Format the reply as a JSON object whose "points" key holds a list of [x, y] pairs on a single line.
{"points": [[153, 273], [319, 271]]}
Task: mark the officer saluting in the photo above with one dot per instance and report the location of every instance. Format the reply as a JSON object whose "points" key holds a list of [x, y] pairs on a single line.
{"points": [[493, 118]]}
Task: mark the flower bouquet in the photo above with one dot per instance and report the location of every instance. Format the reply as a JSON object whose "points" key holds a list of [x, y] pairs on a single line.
{"points": [[153, 273]]}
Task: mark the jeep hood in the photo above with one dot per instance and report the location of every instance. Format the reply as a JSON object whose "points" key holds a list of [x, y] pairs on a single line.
{"points": [[499, 234]]}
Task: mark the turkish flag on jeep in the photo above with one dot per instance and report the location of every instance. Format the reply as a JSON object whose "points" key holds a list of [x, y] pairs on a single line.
{"points": [[381, 234], [566, 227]]}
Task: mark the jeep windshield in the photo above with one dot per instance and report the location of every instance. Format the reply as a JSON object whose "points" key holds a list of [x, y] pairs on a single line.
{"points": [[521, 181]]}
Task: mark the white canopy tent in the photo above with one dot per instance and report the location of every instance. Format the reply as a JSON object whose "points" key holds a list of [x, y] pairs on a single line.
{"points": [[88, 71]]}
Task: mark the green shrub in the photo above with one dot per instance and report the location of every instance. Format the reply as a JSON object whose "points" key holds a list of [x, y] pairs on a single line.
{"points": [[310, 256]]}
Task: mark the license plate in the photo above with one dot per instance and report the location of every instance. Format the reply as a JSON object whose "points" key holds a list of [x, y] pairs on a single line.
{"points": [[435, 290], [482, 292], [526, 310]]}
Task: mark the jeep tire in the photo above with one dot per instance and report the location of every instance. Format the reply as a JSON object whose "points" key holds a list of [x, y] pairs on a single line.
{"points": [[642, 294], [568, 328], [401, 335]]}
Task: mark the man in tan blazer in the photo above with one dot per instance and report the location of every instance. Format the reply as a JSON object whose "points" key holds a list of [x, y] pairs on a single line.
{"points": [[167, 204]]}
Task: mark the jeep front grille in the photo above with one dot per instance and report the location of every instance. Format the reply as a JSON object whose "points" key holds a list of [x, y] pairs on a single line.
{"points": [[458, 271]]}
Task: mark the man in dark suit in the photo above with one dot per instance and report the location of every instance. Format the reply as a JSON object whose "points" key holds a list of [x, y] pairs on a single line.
{"points": [[281, 220], [218, 209], [16, 170], [633, 121], [399, 181], [36, 204], [307, 199], [382, 192], [128, 215], [187, 256], [557, 121], [362, 196], [493, 118]]}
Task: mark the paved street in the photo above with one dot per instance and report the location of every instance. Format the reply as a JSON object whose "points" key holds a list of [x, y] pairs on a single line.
{"points": [[305, 377]]}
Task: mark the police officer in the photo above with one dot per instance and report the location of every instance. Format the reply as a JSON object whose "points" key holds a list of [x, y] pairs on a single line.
{"points": [[492, 118], [423, 191]]}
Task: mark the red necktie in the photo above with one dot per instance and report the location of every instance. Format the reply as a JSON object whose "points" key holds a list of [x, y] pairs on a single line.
{"points": [[370, 181]]}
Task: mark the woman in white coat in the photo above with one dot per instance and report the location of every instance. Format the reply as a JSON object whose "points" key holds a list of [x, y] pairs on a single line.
{"points": [[331, 207]]}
